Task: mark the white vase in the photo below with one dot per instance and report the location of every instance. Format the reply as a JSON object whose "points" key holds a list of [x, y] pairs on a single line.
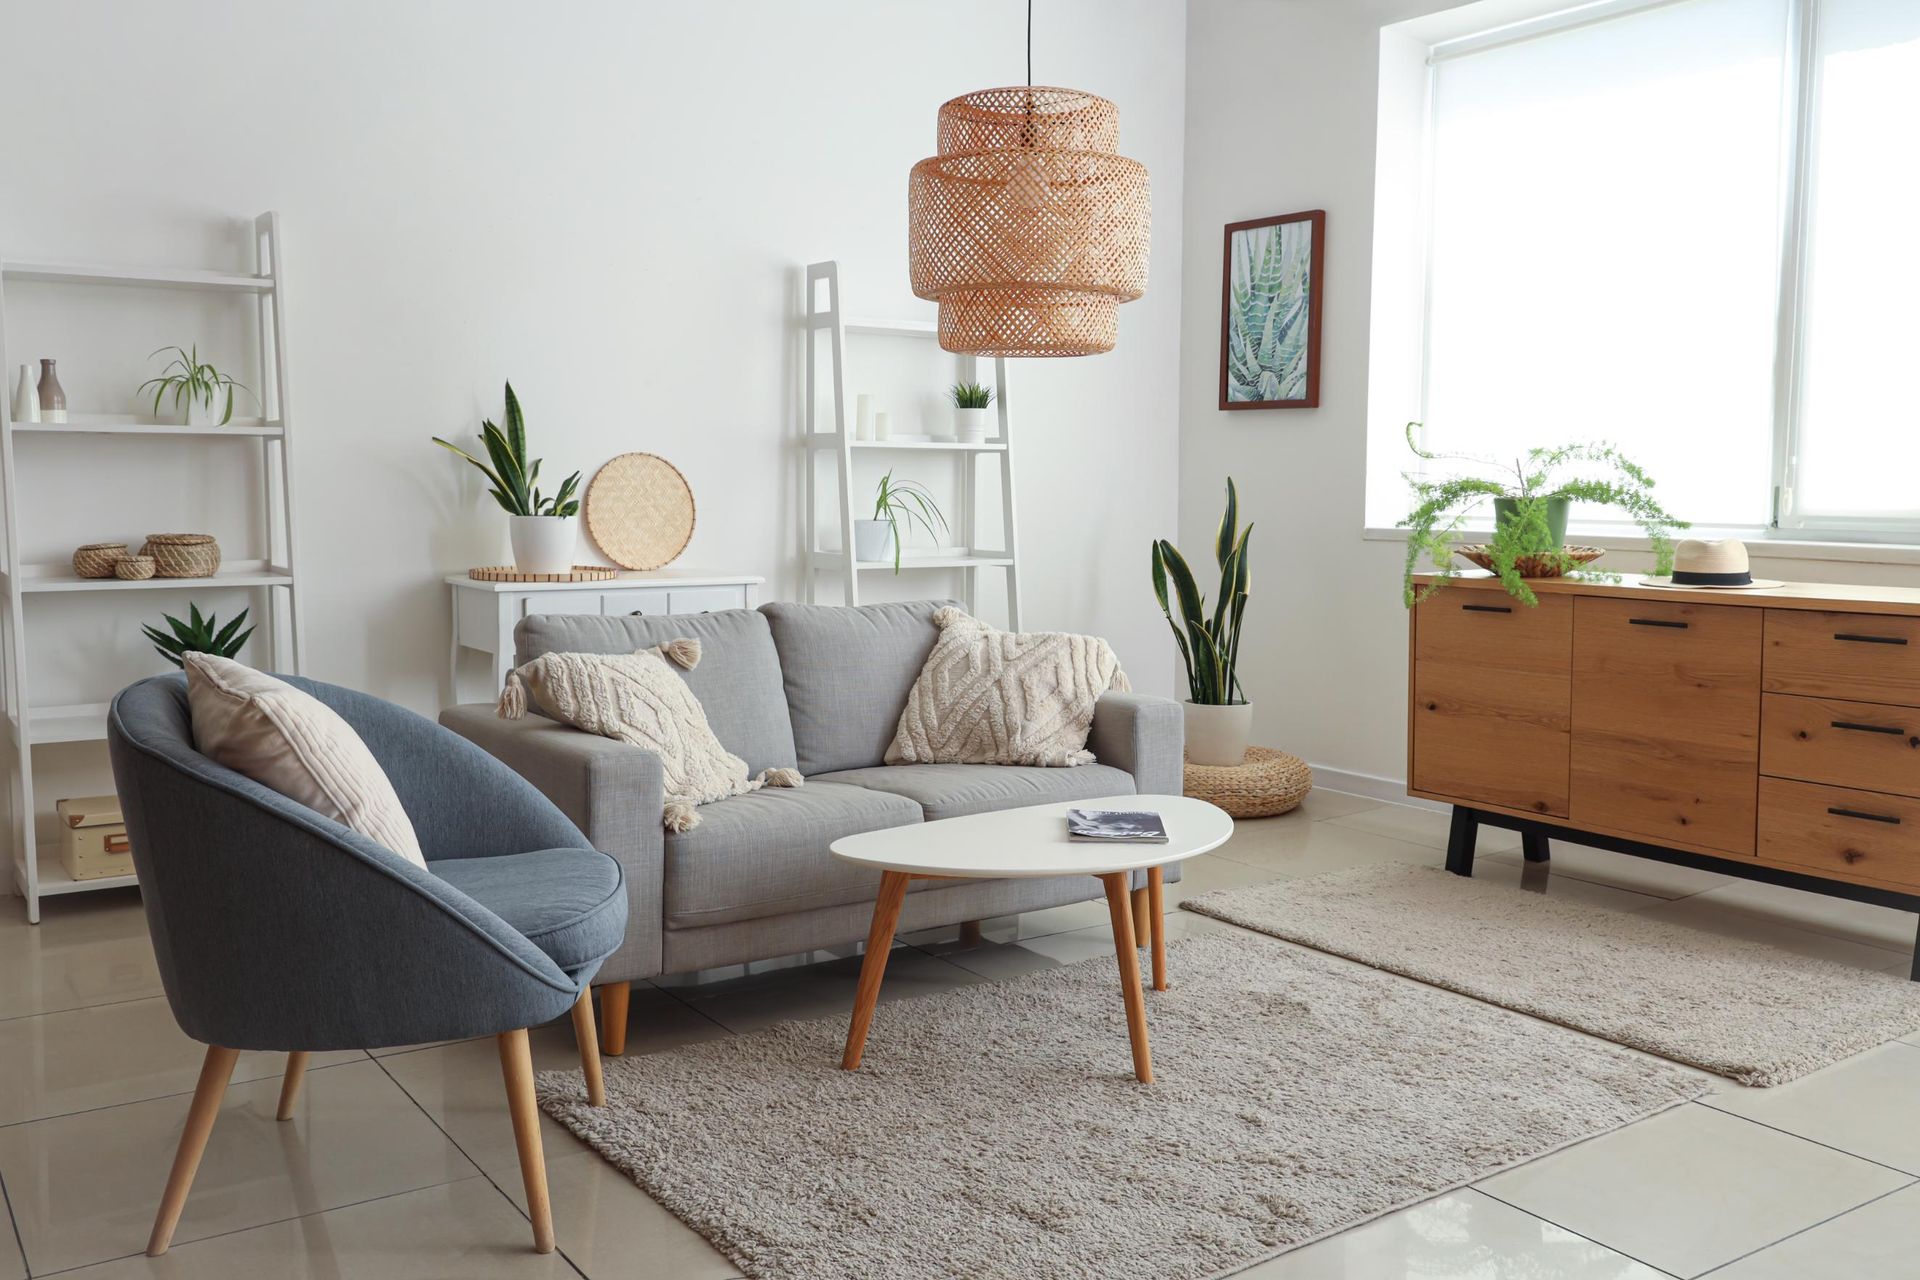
{"points": [[204, 413], [872, 541], [544, 544], [1218, 734], [970, 425], [26, 397]]}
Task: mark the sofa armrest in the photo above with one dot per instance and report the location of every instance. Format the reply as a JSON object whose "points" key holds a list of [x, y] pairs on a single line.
{"points": [[1146, 736], [612, 790]]}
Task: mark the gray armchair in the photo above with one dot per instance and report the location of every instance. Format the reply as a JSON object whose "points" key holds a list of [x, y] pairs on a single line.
{"points": [[276, 928]]}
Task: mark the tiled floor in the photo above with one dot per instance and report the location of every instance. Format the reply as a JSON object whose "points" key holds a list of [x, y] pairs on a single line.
{"points": [[401, 1164]]}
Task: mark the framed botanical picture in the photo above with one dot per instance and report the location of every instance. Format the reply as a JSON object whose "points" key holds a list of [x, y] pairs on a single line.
{"points": [[1270, 312]]}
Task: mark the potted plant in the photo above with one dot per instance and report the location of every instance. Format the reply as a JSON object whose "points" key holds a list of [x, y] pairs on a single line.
{"points": [[198, 635], [1530, 498], [201, 390], [970, 404], [545, 530], [1219, 717], [895, 501]]}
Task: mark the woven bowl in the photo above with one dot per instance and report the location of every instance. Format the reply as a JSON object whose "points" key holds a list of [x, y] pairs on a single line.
{"points": [[133, 568], [96, 559], [183, 555], [1535, 566]]}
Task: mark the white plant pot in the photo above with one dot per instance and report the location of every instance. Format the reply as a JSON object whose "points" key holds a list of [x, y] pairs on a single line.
{"points": [[202, 414], [1218, 735], [872, 541], [970, 425], [544, 544]]}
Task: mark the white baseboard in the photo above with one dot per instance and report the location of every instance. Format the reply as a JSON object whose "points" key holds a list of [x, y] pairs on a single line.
{"points": [[1372, 786]]}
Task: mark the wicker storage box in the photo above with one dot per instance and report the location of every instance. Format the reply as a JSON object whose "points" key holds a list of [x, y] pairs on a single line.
{"points": [[93, 839], [96, 559], [183, 555]]}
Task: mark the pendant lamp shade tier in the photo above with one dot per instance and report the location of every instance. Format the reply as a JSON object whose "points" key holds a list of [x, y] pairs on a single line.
{"points": [[1027, 228]]}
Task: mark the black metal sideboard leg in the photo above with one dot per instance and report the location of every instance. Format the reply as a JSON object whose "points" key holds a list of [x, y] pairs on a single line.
{"points": [[1914, 973], [1462, 834], [1534, 847]]}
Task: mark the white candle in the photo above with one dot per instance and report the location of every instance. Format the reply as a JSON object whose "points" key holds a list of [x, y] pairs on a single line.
{"points": [[880, 428], [863, 417]]}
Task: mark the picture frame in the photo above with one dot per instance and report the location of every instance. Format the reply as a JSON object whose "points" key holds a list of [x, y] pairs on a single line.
{"points": [[1269, 332]]}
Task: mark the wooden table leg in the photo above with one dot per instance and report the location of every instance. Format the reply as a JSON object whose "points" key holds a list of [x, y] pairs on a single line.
{"points": [[886, 916], [1142, 916], [1125, 949], [1157, 902]]}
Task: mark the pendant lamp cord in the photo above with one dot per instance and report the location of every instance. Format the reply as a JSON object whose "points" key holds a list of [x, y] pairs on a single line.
{"points": [[1029, 43]]}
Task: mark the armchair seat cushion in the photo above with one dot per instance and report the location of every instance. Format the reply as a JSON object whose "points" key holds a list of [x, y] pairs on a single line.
{"points": [[568, 902], [765, 853], [953, 790]]}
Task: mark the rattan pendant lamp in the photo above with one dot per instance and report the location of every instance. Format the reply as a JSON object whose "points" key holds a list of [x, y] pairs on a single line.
{"points": [[1027, 228]]}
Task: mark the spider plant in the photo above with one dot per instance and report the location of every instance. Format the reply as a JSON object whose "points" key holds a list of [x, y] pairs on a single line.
{"points": [[192, 381], [1210, 646], [513, 477], [970, 395], [908, 500], [198, 635]]}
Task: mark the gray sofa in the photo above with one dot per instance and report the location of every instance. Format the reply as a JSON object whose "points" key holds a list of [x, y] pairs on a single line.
{"points": [[814, 687]]}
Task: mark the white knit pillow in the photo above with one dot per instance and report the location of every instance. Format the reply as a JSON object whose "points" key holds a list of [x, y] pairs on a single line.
{"points": [[296, 744], [1002, 697], [637, 698]]}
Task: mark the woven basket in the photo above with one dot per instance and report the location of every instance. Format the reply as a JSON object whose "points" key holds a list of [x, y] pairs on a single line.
{"points": [[1548, 565], [133, 568], [183, 555], [96, 559], [1266, 783]]}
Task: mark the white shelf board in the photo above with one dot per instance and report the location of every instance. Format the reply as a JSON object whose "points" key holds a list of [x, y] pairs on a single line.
{"points": [[54, 878], [142, 277], [114, 425], [835, 560], [61, 577], [78, 722], [895, 328], [831, 440]]}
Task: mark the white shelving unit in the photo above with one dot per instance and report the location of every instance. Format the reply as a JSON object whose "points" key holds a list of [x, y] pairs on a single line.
{"points": [[824, 316], [37, 872]]}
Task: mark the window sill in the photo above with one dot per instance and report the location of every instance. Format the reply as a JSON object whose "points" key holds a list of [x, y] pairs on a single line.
{"points": [[1760, 544]]}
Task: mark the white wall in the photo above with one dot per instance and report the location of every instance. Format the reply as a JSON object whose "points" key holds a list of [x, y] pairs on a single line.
{"points": [[605, 202]]}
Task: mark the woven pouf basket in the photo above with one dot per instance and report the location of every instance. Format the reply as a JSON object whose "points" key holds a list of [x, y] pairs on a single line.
{"points": [[1266, 783], [183, 555]]}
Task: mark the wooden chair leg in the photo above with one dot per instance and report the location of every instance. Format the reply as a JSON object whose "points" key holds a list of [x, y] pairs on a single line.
{"points": [[873, 969], [1156, 899], [290, 1084], [516, 1066], [215, 1071], [588, 1040], [1142, 915], [1129, 956], [613, 1018]]}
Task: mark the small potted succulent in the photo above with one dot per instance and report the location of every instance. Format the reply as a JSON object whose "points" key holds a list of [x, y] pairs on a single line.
{"points": [[1219, 717], [895, 501], [199, 635], [970, 404], [202, 391], [546, 530]]}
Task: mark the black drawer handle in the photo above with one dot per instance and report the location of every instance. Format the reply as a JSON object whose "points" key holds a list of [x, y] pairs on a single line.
{"points": [[1487, 608], [1870, 817], [1869, 728], [1841, 635], [1657, 622]]}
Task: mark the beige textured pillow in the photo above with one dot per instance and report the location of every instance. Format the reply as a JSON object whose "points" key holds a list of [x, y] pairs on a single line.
{"points": [[1003, 697], [297, 745], [637, 698]]}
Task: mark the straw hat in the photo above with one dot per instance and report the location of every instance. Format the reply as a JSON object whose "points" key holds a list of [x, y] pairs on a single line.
{"points": [[1717, 563]]}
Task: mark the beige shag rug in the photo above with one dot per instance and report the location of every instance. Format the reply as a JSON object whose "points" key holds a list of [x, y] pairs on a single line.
{"points": [[1745, 1010], [997, 1131]]}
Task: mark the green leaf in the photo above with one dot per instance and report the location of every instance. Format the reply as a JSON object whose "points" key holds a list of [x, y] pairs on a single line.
{"points": [[1229, 520], [1192, 604], [226, 633], [516, 428]]}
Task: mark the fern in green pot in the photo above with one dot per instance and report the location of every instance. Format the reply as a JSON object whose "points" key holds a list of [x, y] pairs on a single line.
{"points": [[1219, 717]]}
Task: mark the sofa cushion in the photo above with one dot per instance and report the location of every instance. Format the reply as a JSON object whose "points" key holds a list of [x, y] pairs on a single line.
{"points": [[738, 680], [568, 902], [847, 673], [765, 853], [951, 790]]}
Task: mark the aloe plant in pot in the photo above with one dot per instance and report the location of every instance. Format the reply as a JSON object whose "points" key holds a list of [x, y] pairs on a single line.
{"points": [[1219, 717], [545, 530]]}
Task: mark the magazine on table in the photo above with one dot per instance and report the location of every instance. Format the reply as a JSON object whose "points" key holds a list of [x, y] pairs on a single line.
{"points": [[1115, 826]]}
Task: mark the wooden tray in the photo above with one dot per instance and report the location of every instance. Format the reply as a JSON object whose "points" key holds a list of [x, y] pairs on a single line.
{"points": [[507, 573], [1535, 566]]}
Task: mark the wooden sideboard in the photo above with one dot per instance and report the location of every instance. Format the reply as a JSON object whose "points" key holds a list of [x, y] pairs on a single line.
{"points": [[1768, 734]]}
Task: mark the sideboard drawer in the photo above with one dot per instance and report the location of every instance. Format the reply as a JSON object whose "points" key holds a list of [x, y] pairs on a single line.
{"points": [[560, 602], [648, 601], [1839, 832], [1866, 657], [1846, 744], [1666, 720], [708, 599], [1491, 684]]}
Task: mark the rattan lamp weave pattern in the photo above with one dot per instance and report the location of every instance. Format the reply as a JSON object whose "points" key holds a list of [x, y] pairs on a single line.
{"points": [[1027, 228]]}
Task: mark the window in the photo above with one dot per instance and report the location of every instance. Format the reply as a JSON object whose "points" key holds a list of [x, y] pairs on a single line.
{"points": [[1685, 227]]}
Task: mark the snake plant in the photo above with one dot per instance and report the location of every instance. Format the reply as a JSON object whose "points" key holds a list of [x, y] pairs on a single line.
{"points": [[197, 635], [1209, 644], [514, 478]]}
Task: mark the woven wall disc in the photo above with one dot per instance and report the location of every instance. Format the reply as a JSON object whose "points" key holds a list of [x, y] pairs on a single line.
{"points": [[640, 511]]}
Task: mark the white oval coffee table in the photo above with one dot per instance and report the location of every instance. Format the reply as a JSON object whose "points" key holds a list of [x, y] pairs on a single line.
{"points": [[1031, 843]]}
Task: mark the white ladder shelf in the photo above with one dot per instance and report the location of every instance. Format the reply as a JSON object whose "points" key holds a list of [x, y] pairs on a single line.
{"points": [[824, 316], [38, 873]]}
